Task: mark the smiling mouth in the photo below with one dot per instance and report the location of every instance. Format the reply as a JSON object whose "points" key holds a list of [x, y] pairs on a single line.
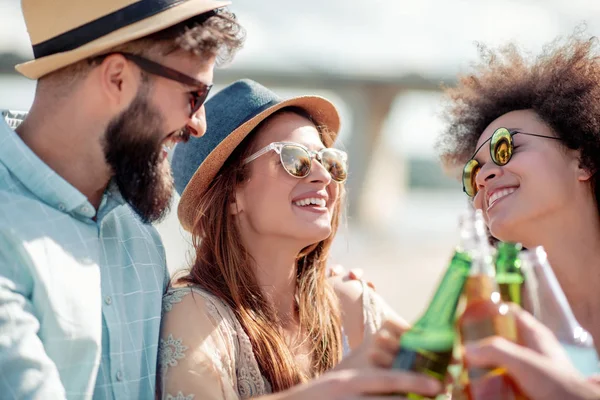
{"points": [[311, 202], [169, 143], [167, 149], [500, 194]]}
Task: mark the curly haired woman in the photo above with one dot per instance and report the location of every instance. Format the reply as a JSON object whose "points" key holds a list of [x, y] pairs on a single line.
{"points": [[526, 131]]}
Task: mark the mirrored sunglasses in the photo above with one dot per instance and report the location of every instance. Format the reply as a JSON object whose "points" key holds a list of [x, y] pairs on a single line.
{"points": [[501, 151], [296, 159]]}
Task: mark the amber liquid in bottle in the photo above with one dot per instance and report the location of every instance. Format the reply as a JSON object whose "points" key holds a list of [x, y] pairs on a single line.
{"points": [[486, 315]]}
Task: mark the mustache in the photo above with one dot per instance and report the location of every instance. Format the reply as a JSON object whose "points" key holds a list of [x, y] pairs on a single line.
{"points": [[183, 135]]}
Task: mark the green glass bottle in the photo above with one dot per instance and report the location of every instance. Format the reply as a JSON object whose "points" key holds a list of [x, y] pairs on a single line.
{"points": [[508, 272], [427, 347]]}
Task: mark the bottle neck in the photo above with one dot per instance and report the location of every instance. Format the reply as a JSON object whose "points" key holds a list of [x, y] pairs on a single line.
{"points": [[482, 281], [442, 308], [481, 288], [508, 265], [475, 242]]}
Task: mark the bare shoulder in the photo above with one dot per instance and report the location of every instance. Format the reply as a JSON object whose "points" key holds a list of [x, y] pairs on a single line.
{"points": [[182, 303]]}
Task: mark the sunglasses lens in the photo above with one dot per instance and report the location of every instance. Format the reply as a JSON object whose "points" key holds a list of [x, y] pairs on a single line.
{"points": [[501, 146], [335, 163], [198, 98], [295, 160], [469, 174]]}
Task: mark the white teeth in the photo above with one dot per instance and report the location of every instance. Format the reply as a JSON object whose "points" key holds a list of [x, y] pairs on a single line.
{"points": [[311, 201], [168, 145], [499, 194]]}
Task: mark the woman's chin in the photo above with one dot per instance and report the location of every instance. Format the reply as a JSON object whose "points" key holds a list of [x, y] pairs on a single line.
{"points": [[315, 235], [503, 230]]}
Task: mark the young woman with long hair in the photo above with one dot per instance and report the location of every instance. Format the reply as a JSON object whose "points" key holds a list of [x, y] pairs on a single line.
{"points": [[262, 195]]}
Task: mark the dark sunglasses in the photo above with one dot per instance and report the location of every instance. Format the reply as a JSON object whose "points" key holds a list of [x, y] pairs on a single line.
{"points": [[501, 151], [296, 159], [197, 97]]}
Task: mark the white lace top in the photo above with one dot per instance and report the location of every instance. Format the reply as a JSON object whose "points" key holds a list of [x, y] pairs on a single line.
{"points": [[211, 346]]}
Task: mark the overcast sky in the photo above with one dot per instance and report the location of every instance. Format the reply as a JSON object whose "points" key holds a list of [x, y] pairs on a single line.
{"points": [[376, 36]]}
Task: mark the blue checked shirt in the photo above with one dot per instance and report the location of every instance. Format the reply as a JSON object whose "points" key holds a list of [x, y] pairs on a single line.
{"points": [[80, 299]]}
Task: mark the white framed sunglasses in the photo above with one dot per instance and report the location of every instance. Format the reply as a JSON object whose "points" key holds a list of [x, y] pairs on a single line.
{"points": [[296, 159]]}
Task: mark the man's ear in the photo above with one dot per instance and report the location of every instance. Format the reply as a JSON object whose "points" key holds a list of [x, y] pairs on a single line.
{"points": [[118, 80]]}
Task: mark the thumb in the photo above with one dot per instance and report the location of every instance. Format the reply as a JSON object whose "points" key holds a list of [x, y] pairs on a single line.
{"points": [[527, 368]]}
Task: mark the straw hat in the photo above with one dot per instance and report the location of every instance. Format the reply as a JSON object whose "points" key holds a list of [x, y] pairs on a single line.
{"points": [[63, 32], [231, 115]]}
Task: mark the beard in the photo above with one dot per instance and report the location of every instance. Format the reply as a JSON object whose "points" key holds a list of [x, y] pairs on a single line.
{"points": [[133, 150]]}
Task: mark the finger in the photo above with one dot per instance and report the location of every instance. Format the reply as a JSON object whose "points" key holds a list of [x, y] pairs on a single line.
{"points": [[594, 379], [537, 336], [355, 274], [336, 270], [380, 358], [384, 397], [385, 341], [529, 369], [382, 381], [528, 325], [497, 351], [395, 328]]}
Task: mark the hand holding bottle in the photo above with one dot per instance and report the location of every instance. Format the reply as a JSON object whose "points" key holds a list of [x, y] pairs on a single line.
{"points": [[360, 384], [370, 361], [378, 350], [540, 366]]}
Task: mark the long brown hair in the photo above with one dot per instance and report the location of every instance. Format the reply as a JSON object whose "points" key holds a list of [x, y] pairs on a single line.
{"points": [[223, 267]]}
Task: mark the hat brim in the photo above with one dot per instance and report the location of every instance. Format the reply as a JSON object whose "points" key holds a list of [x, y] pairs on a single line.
{"points": [[322, 111], [35, 69]]}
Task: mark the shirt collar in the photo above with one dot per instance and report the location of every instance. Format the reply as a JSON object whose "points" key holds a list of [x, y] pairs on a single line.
{"points": [[33, 173], [43, 181], [111, 199]]}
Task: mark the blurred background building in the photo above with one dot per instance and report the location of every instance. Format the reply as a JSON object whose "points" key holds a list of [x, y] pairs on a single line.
{"points": [[383, 63]]}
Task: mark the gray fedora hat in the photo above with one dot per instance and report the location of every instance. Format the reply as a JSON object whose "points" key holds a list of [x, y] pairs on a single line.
{"points": [[231, 115]]}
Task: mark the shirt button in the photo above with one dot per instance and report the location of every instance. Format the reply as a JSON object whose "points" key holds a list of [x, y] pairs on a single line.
{"points": [[62, 207], [108, 300], [85, 209], [119, 376]]}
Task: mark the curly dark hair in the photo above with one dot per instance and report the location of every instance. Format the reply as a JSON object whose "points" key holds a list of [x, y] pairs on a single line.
{"points": [[561, 85], [214, 33]]}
